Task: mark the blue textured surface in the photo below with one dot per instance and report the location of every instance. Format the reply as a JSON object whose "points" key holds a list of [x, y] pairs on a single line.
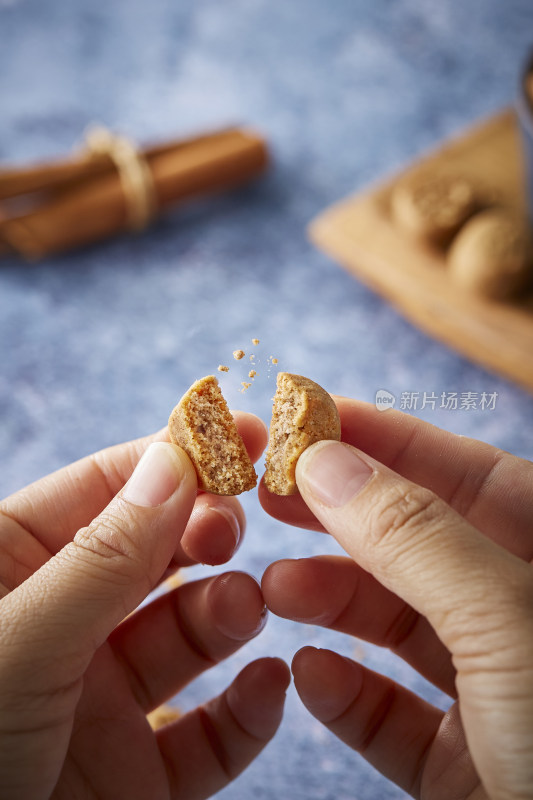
{"points": [[97, 346]]}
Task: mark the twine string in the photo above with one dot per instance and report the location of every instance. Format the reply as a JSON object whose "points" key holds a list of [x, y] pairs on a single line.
{"points": [[134, 173]]}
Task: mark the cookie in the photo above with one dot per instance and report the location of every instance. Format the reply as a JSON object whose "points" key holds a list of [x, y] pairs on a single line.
{"points": [[302, 413], [203, 426], [492, 255], [433, 206]]}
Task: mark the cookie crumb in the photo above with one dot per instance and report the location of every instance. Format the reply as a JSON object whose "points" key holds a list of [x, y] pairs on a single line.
{"points": [[238, 354], [255, 341], [223, 368], [252, 373], [245, 386], [161, 716], [174, 580], [274, 360]]}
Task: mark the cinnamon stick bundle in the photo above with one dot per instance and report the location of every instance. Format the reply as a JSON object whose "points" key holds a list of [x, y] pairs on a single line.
{"points": [[111, 187]]}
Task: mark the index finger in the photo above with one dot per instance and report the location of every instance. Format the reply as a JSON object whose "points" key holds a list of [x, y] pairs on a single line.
{"points": [[487, 486], [55, 507]]}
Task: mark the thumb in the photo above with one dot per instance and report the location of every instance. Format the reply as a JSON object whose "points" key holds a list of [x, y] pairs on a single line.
{"points": [[477, 596], [412, 542], [67, 609]]}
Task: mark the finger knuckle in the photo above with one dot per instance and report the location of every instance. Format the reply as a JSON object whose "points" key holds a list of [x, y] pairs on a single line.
{"points": [[377, 717], [401, 627], [403, 514], [504, 614], [108, 542]]}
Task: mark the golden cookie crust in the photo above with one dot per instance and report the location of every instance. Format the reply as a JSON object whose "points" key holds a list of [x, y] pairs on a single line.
{"points": [[302, 413], [492, 256], [434, 206]]}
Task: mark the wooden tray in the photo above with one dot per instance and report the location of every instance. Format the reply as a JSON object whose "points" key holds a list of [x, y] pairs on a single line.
{"points": [[360, 234]]}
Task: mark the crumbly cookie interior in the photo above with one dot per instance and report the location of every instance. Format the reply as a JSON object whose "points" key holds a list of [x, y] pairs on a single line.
{"points": [[203, 426]]}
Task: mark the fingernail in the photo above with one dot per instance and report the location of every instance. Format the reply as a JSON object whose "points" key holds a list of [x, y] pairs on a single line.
{"points": [[327, 683], [257, 695], [156, 477], [332, 472], [237, 606], [231, 519]]}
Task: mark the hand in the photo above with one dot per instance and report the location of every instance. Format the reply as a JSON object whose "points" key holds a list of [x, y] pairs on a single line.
{"points": [[439, 529], [79, 551]]}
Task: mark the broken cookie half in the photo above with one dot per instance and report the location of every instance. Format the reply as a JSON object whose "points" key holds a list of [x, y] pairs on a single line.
{"points": [[302, 413], [203, 426]]}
